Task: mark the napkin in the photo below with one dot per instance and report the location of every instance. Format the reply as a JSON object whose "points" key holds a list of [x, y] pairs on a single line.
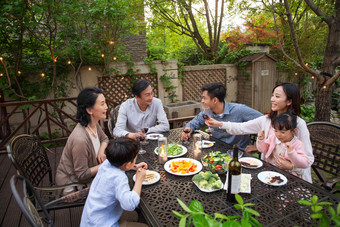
{"points": [[245, 183]]}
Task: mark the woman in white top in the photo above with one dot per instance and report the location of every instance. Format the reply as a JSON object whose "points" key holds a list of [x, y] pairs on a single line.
{"points": [[285, 97]]}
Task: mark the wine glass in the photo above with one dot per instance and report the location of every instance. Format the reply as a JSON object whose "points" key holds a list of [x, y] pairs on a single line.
{"points": [[140, 140], [206, 114], [144, 131], [186, 131]]}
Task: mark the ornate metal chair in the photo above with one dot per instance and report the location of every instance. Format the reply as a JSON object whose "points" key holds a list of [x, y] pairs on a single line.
{"points": [[30, 202], [325, 138], [30, 159]]}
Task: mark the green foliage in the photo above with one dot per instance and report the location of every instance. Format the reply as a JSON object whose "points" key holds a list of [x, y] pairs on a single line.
{"points": [[307, 112], [42, 36], [197, 216], [319, 217]]}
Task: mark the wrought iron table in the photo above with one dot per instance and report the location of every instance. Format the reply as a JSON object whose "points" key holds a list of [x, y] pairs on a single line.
{"points": [[277, 206]]}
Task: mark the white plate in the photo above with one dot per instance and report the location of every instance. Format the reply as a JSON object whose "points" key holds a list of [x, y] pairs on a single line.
{"points": [[158, 177], [153, 136], [168, 164], [252, 161], [265, 177], [184, 151], [206, 144], [206, 190]]}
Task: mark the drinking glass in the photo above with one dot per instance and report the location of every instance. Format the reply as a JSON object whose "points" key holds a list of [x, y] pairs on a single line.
{"points": [[197, 146], [144, 131], [162, 150], [140, 139], [186, 131]]}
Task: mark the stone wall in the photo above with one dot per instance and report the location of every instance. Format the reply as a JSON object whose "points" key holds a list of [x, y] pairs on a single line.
{"points": [[135, 45]]}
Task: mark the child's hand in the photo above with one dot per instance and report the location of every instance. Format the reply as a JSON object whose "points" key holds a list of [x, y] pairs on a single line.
{"points": [[260, 135], [142, 165], [140, 174], [283, 163], [289, 147], [213, 122]]}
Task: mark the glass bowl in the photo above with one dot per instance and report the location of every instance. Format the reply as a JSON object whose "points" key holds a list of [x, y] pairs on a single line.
{"points": [[231, 152]]}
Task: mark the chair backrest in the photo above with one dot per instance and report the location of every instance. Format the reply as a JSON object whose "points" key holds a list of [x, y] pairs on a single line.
{"points": [[30, 159], [24, 200], [325, 138]]}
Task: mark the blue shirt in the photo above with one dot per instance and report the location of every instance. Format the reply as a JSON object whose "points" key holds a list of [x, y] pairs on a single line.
{"points": [[233, 112], [109, 195]]}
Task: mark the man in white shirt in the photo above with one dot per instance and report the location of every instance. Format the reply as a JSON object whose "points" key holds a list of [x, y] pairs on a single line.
{"points": [[142, 111]]}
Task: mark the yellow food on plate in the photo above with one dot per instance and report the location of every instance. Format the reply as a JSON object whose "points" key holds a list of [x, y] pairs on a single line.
{"points": [[182, 167]]}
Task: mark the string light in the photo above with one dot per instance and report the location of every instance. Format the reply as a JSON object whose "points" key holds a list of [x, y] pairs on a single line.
{"points": [[90, 68], [55, 60], [1, 59], [296, 74], [103, 55], [312, 77], [122, 78], [324, 87], [69, 62], [1, 74], [19, 72], [114, 58], [43, 75], [112, 42], [306, 64]]}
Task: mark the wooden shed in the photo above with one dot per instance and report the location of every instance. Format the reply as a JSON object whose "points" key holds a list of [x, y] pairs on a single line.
{"points": [[256, 80]]}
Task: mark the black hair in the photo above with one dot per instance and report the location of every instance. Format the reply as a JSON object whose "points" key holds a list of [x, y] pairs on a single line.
{"points": [[86, 99], [121, 150], [215, 90], [292, 92], [286, 120], [139, 86]]}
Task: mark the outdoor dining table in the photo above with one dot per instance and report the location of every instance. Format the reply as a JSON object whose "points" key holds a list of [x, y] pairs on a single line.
{"points": [[277, 205]]}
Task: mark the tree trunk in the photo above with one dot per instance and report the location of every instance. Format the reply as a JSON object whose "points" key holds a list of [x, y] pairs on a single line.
{"points": [[323, 102]]}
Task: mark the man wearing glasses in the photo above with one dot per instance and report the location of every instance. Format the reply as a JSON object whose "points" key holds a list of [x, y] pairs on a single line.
{"points": [[142, 111]]}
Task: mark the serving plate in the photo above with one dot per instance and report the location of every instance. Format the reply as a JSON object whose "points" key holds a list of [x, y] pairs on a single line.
{"points": [[206, 190], [184, 151], [168, 165], [266, 176], [156, 179], [254, 163], [154, 136]]}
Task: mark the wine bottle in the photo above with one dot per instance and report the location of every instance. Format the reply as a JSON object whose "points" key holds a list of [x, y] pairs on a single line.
{"points": [[234, 176]]}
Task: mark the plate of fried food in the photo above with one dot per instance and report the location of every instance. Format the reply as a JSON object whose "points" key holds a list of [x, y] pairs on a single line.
{"points": [[250, 163], [272, 178], [151, 177]]}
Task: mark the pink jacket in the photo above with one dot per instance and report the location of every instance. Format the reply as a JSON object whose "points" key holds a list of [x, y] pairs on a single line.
{"points": [[298, 156]]}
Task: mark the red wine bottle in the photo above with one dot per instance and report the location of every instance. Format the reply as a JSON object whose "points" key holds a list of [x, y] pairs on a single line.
{"points": [[234, 176]]}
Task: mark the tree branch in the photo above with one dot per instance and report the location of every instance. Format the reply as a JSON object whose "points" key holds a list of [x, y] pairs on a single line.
{"points": [[318, 12], [295, 43]]}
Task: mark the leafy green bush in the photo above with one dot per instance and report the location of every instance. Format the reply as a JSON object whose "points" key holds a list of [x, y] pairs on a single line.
{"points": [[197, 216], [307, 113], [320, 218]]}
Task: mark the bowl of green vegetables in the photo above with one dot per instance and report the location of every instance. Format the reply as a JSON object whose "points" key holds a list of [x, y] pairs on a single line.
{"points": [[174, 150]]}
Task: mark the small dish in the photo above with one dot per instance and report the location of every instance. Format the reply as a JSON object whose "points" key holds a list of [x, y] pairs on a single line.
{"points": [[266, 177], [153, 180], [154, 136], [250, 163], [206, 144]]}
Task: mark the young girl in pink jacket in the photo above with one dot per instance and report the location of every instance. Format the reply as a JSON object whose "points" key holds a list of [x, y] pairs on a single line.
{"points": [[281, 141]]}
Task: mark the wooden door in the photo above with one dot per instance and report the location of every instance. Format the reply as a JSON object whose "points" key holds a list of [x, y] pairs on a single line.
{"points": [[264, 77]]}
